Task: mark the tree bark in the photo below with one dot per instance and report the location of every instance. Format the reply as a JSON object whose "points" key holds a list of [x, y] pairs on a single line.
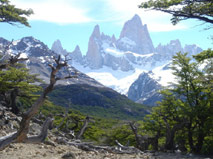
{"points": [[190, 139], [141, 142], [155, 141], [43, 134], [170, 134], [13, 105]]}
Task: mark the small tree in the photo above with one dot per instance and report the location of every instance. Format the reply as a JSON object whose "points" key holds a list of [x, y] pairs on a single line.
{"points": [[17, 82], [195, 95]]}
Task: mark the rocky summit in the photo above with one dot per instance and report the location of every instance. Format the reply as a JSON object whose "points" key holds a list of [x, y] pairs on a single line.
{"points": [[135, 37], [93, 56]]}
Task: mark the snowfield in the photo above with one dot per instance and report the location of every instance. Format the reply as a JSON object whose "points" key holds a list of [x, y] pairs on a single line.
{"points": [[121, 81]]}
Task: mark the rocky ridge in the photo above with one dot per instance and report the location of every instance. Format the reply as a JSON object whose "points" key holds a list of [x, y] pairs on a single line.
{"points": [[40, 56], [145, 90], [134, 48], [135, 37]]}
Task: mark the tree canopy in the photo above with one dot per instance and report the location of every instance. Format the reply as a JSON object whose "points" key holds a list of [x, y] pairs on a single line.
{"points": [[184, 116], [12, 15], [16, 83], [183, 9]]}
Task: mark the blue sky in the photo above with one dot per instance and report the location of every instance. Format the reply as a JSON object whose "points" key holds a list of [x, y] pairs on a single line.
{"points": [[72, 22]]}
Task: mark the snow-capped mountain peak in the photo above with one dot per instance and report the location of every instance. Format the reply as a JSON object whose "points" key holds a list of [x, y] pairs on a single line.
{"points": [[118, 63]]}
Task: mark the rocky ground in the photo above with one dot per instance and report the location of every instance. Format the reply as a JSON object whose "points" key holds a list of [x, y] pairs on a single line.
{"points": [[55, 148], [44, 151]]}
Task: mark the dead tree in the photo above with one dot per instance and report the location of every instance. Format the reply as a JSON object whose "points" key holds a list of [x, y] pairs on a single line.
{"points": [[12, 61], [143, 142], [43, 134], [21, 134], [83, 128], [140, 141]]}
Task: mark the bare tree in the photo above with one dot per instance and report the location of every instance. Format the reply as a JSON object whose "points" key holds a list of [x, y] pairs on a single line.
{"points": [[83, 128], [143, 142], [6, 61]]}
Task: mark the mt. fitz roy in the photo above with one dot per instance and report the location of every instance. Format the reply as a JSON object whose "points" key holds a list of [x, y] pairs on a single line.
{"points": [[118, 63], [130, 64]]}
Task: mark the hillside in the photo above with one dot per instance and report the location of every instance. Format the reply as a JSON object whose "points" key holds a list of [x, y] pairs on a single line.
{"points": [[97, 101]]}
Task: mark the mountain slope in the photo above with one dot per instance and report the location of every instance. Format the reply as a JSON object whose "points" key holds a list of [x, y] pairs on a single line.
{"points": [[145, 90], [85, 93], [97, 101]]}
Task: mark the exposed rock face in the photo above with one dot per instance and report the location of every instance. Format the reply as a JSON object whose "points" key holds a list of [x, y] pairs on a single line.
{"points": [[113, 39], [93, 56], [57, 48], [135, 37], [192, 49], [134, 47], [76, 55], [144, 90], [170, 49]]}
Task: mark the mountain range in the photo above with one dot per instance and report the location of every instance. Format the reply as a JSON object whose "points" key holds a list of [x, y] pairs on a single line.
{"points": [[85, 93], [130, 64]]}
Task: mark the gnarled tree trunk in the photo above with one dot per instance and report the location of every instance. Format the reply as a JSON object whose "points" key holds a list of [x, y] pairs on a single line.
{"points": [[83, 128]]}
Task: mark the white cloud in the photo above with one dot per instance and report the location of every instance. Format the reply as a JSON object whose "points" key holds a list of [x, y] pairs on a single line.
{"points": [[157, 21], [56, 11], [79, 11]]}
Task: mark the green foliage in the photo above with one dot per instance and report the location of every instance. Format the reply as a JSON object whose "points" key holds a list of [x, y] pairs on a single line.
{"points": [[18, 78], [101, 131], [183, 9], [123, 134], [10, 14], [208, 145], [205, 55], [16, 86], [185, 113]]}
